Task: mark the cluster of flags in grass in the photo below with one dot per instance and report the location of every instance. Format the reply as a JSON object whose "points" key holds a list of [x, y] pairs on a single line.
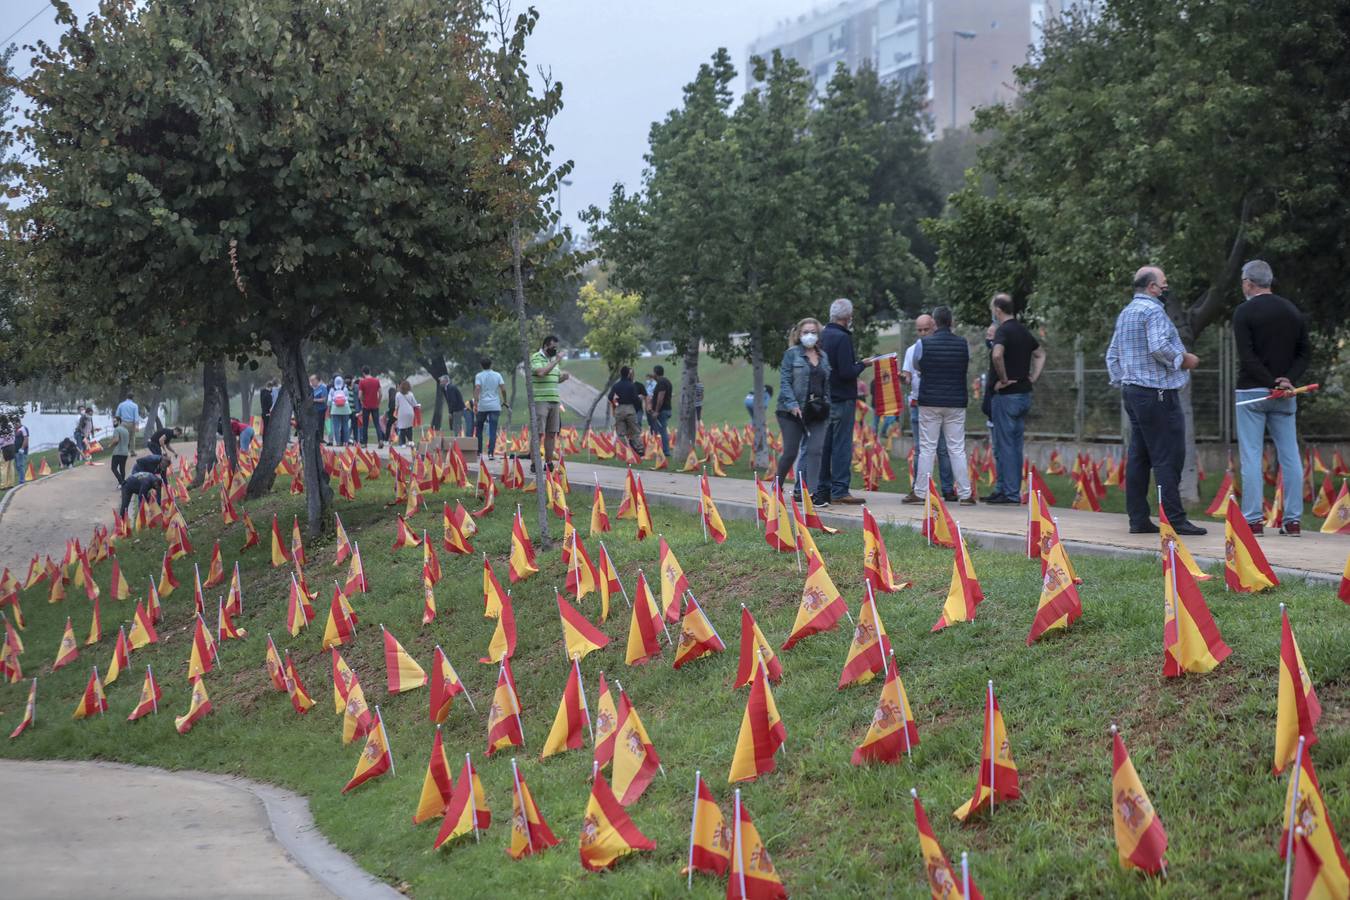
{"points": [[621, 744]]}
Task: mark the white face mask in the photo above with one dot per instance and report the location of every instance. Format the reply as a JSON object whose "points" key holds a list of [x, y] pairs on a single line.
{"points": [[809, 339]]}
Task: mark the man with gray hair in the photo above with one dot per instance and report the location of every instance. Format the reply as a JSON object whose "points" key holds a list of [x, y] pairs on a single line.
{"points": [[836, 464], [1273, 352]]}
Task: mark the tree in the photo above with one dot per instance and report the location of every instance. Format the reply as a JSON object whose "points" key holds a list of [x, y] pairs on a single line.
{"points": [[1192, 134], [616, 332], [303, 172]]}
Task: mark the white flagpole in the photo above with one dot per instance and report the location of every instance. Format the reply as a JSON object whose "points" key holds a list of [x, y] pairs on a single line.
{"points": [[965, 874], [462, 685], [797, 538], [904, 716], [154, 704], [524, 812], [993, 751], [703, 519], [740, 861], [473, 806], [707, 620], [876, 617], [384, 734], [585, 708], [661, 614], [928, 508], [613, 568], [1293, 806], [693, 825], [1034, 500]]}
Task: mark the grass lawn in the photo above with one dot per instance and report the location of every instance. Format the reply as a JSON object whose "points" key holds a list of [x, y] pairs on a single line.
{"points": [[1202, 744]]}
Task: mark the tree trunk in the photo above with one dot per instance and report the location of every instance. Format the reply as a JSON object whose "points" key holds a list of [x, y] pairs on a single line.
{"points": [[275, 439], [688, 381], [760, 409], [318, 494], [247, 388], [511, 407], [226, 431], [213, 377], [152, 420], [435, 366], [536, 457]]}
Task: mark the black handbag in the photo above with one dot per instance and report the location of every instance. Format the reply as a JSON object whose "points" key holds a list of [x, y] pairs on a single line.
{"points": [[817, 405]]}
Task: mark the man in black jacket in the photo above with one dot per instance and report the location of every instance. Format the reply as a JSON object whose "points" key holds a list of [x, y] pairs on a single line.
{"points": [[454, 404], [836, 463], [943, 359], [1273, 352]]}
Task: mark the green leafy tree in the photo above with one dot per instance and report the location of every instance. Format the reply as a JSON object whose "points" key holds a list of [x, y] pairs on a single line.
{"points": [[616, 332]]}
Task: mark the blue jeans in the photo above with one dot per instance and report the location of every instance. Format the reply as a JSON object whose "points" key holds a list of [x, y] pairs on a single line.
{"points": [[945, 480], [20, 464], [836, 461], [1253, 421], [342, 428], [489, 419], [1010, 414], [659, 427], [245, 439]]}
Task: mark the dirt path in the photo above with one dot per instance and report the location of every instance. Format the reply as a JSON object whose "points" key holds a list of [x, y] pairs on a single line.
{"points": [[38, 516]]}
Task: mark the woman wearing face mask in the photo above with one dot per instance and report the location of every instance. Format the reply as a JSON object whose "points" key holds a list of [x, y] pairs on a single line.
{"points": [[803, 402]]}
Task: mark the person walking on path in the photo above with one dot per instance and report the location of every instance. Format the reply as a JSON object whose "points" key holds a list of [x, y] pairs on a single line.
{"points": [[84, 431], [803, 410], [340, 411], [318, 399], [942, 359], [391, 414], [546, 374], [1147, 360], [661, 406], [130, 414], [650, 385], [21, 451], [627, 398], [368, 390], [121, 449], [909, 373], [1273, 352], [1017, 359], [161, 442], [454, 404], [405, 412], [489, 399], [836, 467]]}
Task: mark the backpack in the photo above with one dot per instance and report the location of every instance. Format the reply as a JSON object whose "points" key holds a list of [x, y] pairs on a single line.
{"points": [[339, 398]]}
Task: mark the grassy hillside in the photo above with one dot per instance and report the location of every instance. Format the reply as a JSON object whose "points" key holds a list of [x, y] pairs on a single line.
{"points": [[1202, 744]]}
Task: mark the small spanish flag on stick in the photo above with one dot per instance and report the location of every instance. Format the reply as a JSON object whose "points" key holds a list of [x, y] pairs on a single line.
{"points": [[607, 832], [709, 836], [1141, 841], [530, 834]]}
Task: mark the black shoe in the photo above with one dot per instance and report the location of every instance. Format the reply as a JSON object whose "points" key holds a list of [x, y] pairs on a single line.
{"points": [[949, 496], [1190, 529], [1258, 528], [820, 504], [1000, 499], [1146, 528]]}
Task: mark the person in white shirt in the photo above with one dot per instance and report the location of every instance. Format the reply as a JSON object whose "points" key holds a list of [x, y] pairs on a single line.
{"points": [[909, 374], [405, 411]]}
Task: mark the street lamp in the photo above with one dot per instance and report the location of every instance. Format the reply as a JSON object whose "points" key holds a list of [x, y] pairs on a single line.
{"points": [[566, 182], [965, 36]]}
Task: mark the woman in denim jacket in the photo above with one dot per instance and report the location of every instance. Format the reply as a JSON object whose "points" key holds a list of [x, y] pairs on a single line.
{"points": [[803, 403]]}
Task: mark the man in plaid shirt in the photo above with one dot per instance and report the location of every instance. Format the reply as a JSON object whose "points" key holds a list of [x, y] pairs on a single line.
{"points": [[1147, 361]]}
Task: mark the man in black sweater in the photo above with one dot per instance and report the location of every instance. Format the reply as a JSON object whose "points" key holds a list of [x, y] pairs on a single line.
{"points": [[836, 462], [1273, 353]]}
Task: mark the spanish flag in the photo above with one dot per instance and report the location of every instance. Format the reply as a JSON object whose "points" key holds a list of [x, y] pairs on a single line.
{"points": [[1084, 497], [530, 834], [356, 574], [29, 711], [522, 551], [150, 697], [1168, 534], [870, 646], [608, 581], [461, 519], [142, 630], [805, 542], [405, 537], [121, 657], [431, 563], [276, 672], [778, 522], [344, 545], [67, 653], [642, 510], [673, 582], [599, 518], [937, 522], [299, 612], [1245, 569], [762, 733], [712, 519], [120, 587], [643, 644], [582, 577], [375, 756], [1141, 841], [1297, 708], [341, 626], [886, 387], [635, 759], [199, 706], [1044, 533], [167, 580], [226, 630], [215, 570], [455, 539], [821, 605], [606, 724], [437, 786], [280, 554], [580, 637], [493, 595], [1338, 517], [893, 732], [93, 700], [755, 647], [401, 671], [251, 538], [467, 809], [1226, 495], [607, 832], [964, 594], [503, 643], [234, 600], [698, 638], [1191, 640], [997, 778], [628, 503], [1303, 800], [202, 657], [504, 728], [567, 732], [943, 882], [763, 500], [1344, 591], [349, 700], [709, 836], [1059, 606], [152, 607], [301, 701], [445, 686], [752, 873], [198, 595]]}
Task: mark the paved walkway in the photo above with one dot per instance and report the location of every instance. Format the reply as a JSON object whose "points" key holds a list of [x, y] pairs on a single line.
{"points": [[38, 516], [1318, 556]]}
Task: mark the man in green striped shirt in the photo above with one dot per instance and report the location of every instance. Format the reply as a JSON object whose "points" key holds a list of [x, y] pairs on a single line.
{"points": [[545, 375]]}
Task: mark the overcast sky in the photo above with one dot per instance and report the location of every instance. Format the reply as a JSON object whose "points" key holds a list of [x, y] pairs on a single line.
{"points": [[622, 64]]}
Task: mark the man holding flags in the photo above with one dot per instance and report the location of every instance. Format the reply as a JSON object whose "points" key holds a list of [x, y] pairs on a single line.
{"points": [[1273, 352]]}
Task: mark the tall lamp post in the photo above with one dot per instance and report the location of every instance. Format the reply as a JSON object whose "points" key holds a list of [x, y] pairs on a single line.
{"points": [[566, 182], [957, 37]]}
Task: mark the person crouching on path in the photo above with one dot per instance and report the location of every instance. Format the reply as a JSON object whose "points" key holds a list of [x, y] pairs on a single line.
{"points": [[140, 485], [803, 410], [942, 359], [627, 398]]}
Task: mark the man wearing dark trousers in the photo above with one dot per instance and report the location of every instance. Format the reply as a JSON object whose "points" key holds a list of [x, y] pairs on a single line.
{"points": [[1017, 359], [836, 460], [1147, 361]]}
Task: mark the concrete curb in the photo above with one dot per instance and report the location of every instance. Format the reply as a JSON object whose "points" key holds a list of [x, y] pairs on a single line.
{"points": [[292, 826]]}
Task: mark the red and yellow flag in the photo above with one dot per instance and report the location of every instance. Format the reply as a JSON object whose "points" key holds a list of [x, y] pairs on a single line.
{"points": [[280, 553], [431, 563], [401, 671], [29, 711], [503, 643], [568, 731], [870, 647], [1191, 640], [522, 551], [876, 563], [582, 576], [607, 832], [997, 779], [1338, 517], [445, 686], [356, 574], [1168, 534], [121, 657], [635, 759], [754, 647], [964, 593], [778, 522], [120, 587], [215, 570], [251, 538], [198, 707], [1343, 592], [467, 810], [375, 756], [821, 605], [1297, 707], [150, 697], [752, 875], [628, 503], [297, 544], [608, 581], [142, 630], [341, 625], [1303, 798], [580, 637], [1245, 569], [437, 786], [937, 522], [606, 724], [301, 701], [344, 545], [67, 652], [299, 612], [886, 387], [493, 594], [712, 519], [504, 729], [93, 700], [643, 626], [642, 512], [698, 638], [709, 836], [1059, 606], [167, 580], [762, 733], [599, 518], [530, 834], [1141, 841], [405, 537], [673, 582], [349, 701], [944, 883], [893, 732], [202, 657]]}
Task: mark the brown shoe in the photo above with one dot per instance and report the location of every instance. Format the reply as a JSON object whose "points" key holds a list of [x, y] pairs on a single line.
{"points": [[968, 501], [848, 499], [1291, 529], [911, 497]]}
